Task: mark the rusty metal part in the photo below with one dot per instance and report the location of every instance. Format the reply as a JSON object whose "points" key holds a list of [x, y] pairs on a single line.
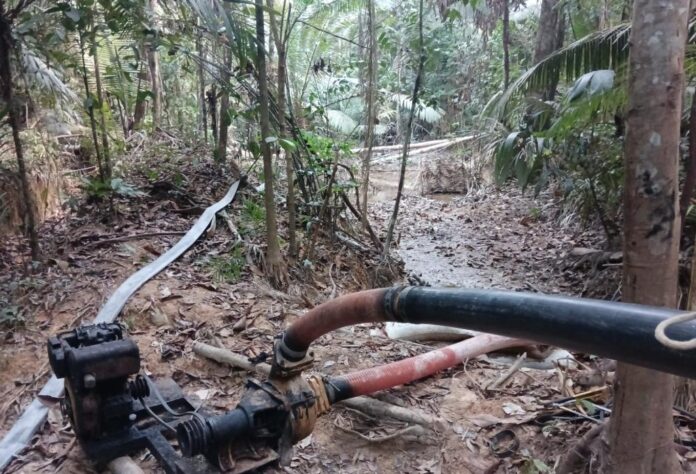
{"points": [[287, 363], [318, 386]]}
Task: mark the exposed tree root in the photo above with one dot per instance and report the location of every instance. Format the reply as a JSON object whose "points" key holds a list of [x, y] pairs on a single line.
{"points": [[585, 452]]}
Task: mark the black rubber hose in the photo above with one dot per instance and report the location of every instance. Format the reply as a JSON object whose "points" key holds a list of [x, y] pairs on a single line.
{"points": [[621, 331]]}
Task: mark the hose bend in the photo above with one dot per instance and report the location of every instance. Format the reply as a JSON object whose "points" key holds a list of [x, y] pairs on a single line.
{"points": [[355, 308], [619, 331]]}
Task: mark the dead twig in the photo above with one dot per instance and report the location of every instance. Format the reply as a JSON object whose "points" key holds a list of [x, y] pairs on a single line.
{"points": [[502, 381], [126, 238], [409, 430]]}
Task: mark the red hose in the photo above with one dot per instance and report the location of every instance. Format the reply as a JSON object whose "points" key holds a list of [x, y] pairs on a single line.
{"points": [[355, 308], [404, 371]]}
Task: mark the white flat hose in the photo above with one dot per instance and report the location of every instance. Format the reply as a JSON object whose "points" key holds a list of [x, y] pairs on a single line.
{"points": [[34, 415]]}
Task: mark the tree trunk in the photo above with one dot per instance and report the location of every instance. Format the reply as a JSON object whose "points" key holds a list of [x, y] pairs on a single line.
{"points": [[6, 44], [140, 102], [221, 153], [202, 113], [275, 267], [102, 104], [155, 76], [281, 35], [641, 430], [547, 38], [407, 132], [506, 43], [370, 99], [90, 111], [212, 108]]}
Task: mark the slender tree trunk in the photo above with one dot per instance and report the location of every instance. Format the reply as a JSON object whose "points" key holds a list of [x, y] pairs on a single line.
{"points": [[90, 111], [140, 102], [221, 154], [371, 101], [275, 267], [642, 431], [506, 42], [547, 38], [155, 75], [407, 132], [281, 35], [212, 108], [121, 102], [202, 112], [30, 221], [102, 104]]}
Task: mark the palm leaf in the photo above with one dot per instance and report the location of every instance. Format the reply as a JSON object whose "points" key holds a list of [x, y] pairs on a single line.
{"points": [[40, 75], [602, 50]]}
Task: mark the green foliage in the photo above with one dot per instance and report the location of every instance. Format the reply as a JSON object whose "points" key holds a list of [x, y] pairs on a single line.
{"points": [[253, 216], [228, 268], [535, 466], [97, 189], [11, 317], [602, 50]]}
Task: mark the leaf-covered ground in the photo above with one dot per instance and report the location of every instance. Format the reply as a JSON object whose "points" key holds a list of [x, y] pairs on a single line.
{"points": [[216, 294]]}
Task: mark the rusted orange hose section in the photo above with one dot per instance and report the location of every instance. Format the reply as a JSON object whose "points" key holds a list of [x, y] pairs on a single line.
{"points": [[355, 308], [404, 371]]}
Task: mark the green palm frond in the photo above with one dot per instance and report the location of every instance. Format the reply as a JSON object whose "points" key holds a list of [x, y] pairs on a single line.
{"points": [[424, 112], [602, 50], [340, 121], [40, 75], [233, 20]]}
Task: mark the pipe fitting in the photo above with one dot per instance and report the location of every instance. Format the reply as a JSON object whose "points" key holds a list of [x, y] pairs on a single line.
{"points": [[271, 417], [287, 362]]}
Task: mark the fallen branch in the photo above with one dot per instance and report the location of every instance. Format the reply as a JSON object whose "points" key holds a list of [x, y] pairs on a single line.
{"points": [[126, 238], [364, 404], [508, 373]]}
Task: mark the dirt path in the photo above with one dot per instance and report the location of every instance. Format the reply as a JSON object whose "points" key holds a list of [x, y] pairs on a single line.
{"points": [[486, 239]]}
